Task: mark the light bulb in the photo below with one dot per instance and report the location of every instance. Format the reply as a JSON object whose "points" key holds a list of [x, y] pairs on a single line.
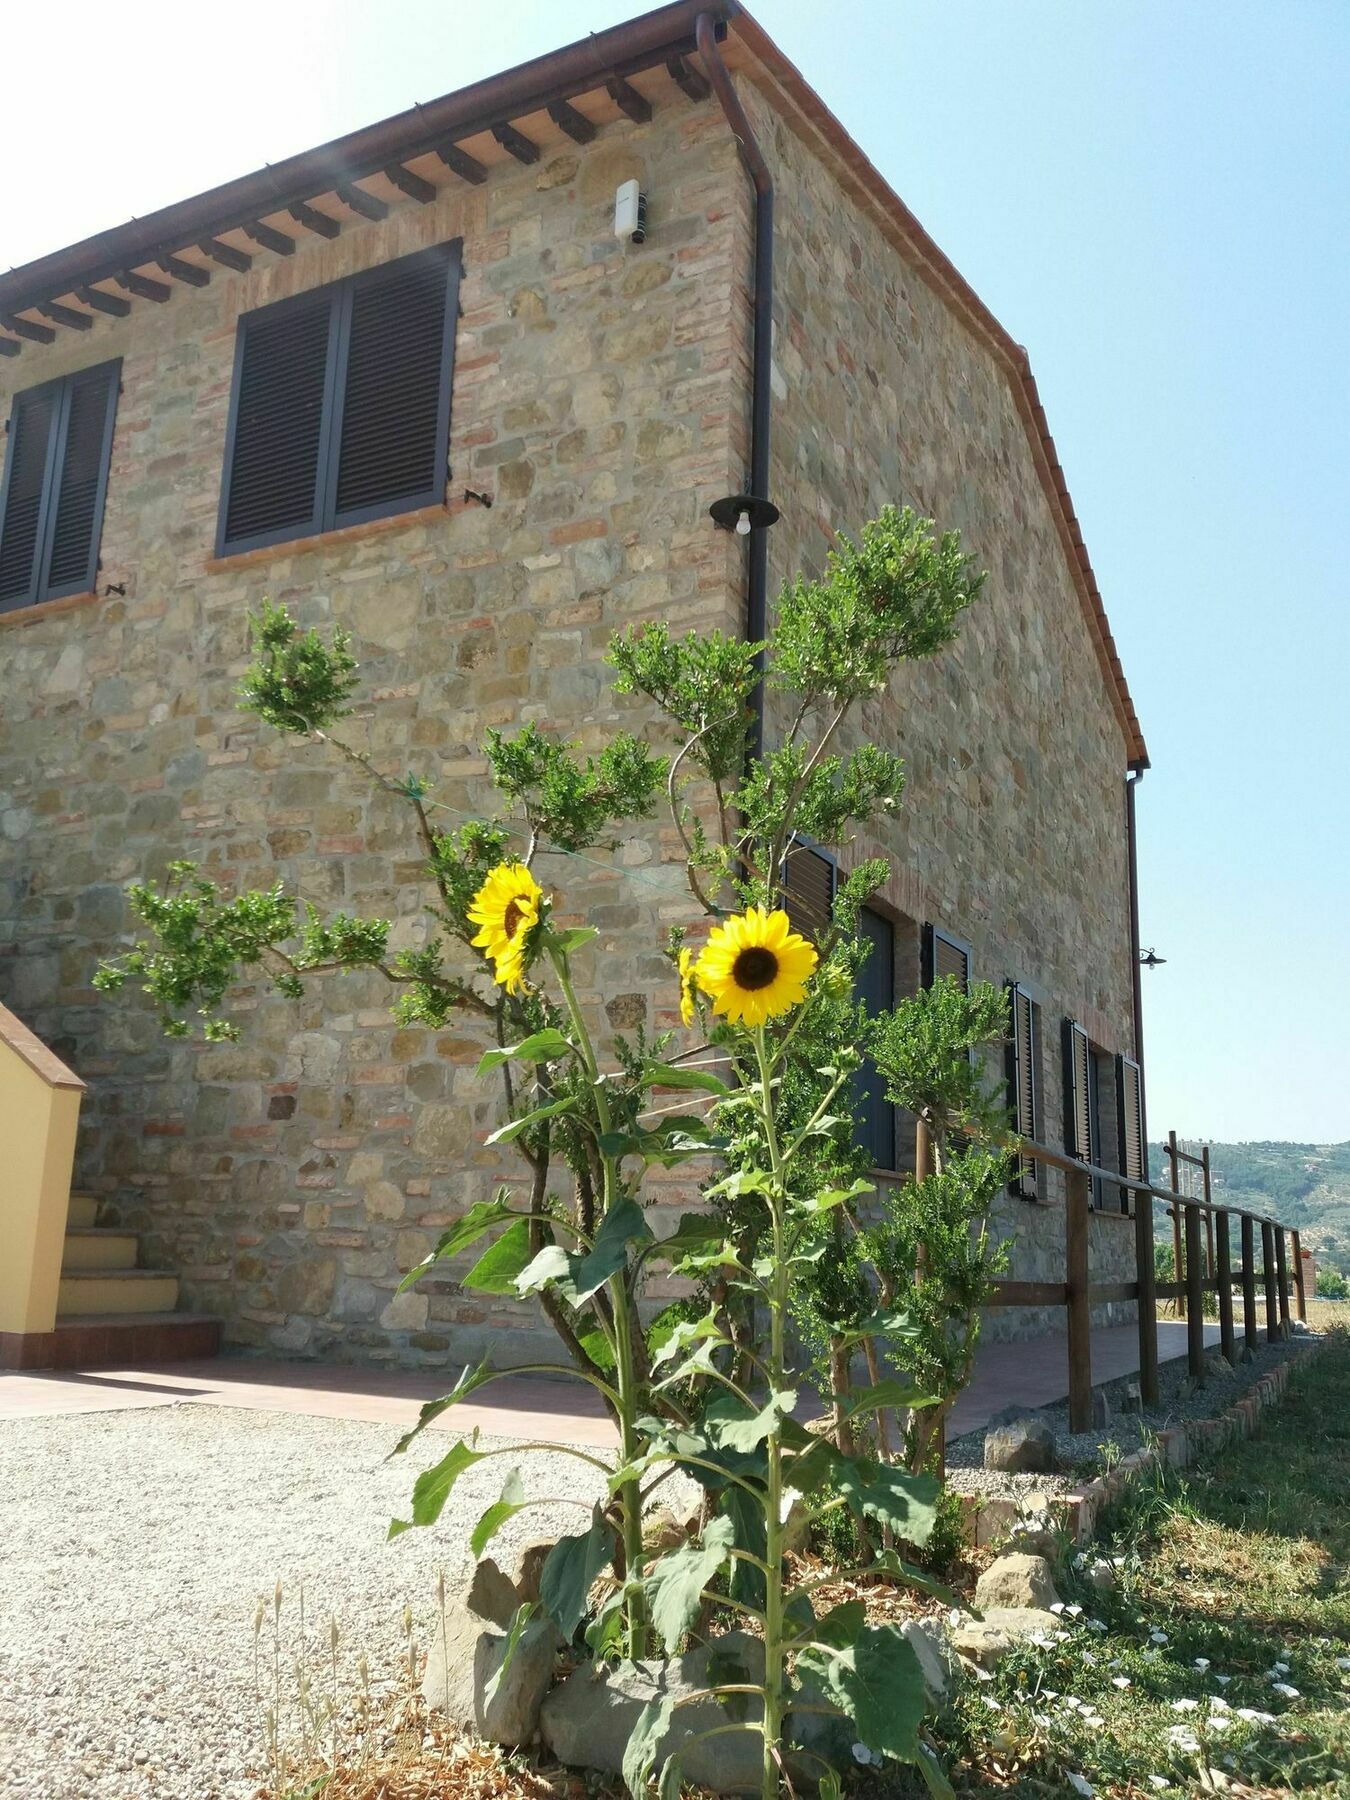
{"points": [[742, 524]]}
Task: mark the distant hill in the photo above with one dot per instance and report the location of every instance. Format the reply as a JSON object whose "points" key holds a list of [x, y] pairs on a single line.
{"points": [[1304, 1185]]}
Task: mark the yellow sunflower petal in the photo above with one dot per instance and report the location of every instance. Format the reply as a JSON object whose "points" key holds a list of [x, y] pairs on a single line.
{"points": [[755, 967]]}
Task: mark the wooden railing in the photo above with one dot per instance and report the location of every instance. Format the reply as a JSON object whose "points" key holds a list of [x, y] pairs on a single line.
{"points": [[1078, 1293]]}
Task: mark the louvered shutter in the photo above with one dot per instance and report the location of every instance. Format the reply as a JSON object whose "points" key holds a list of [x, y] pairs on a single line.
{"points": [[875, 1114], [1130, 1105], [808, 891], [395, 420], [84, 449], [1077, 1091], [32, 434], [945, 955], [1024, 1082], [274, 460]]}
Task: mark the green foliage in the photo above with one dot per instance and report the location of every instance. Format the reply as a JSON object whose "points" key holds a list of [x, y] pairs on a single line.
{"points": [[568, 802], [703, 685], [296, 682], [925, 1051]]}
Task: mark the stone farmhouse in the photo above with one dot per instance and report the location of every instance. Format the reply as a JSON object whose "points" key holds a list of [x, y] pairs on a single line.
{"points": [[419, 382]]}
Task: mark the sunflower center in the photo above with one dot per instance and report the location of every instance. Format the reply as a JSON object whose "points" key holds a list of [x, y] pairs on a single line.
{"points": [[512, 917], [755, 968]]}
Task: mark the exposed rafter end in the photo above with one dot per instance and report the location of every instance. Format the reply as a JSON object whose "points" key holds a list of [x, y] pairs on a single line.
{"points": [[577, 126], [319, 223], [143, 288], [460, 163], [66, 315], [628, 100], [357, 200], [28, 328], [515, 142], [688, 79], [8, 347], [226, 255], [266, 238], [112, 304], [411, 185], [188, 273]]}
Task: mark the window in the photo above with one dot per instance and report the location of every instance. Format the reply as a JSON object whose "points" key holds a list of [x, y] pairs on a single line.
{"points": [[1131, 1139], [56, 476], [945, 955], [1094, 1109], [341, 404], [1024, 1083], [810, 881]]}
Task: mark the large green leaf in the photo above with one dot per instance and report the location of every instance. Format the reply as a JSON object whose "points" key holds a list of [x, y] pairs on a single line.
{"points": [[695, 1232], [680, 1336], [508, 1503], [878, 1682], [520, 1624], [680, 1075], [812, 1205], [891, 1495], [432, 1488], [747, 1518], [671, 1141], [731, 1425], [898, 1327], [469, 1380], [542, 1046], [507, 1134], [653, 1722], [578, 1276], [570, 1571], [573, 938], [675, 1584], [498, 1268], [841, 1625], [891, 1391], [479, 1219]]}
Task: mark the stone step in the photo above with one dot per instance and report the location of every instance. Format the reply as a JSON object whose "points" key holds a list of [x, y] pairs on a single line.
{"points": [[95, 1247], [130, 1340], [83, 1211], [101, 1293]]}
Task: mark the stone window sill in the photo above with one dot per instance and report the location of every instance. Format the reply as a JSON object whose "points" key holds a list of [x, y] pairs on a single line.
{"points": [[46, 609], [322, 540]]}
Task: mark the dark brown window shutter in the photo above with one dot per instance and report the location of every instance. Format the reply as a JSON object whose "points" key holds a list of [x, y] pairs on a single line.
{"points": [[945, 955], [85, 448], [1077, 1091], [808, 891], [1130, 1102], [1024, 1082], [275, 453], [392, 445], [32, 428]]}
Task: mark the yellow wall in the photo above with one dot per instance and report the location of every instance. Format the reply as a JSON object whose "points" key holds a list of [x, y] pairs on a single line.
{"points": [[39, 1112]]}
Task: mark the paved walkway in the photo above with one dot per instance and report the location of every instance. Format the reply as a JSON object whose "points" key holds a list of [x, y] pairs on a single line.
{"points": [[553, 1411]]}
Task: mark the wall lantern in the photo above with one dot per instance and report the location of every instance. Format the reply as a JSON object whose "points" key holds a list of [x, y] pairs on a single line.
{"points": [[743, 513]]}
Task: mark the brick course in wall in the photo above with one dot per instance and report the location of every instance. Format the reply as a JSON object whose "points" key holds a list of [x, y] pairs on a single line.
{"points": [[600, 398]]}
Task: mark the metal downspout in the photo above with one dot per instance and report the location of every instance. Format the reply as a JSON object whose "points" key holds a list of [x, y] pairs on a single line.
{"points": [[757, 583], [1132, 780]]}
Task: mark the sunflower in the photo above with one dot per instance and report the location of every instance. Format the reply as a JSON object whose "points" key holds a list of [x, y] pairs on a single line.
{"points": [[755, 966], [688, 986], [507, 907]]}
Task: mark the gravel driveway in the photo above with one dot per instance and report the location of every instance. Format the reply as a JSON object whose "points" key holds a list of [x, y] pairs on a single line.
{"points": [[136, 1546]]}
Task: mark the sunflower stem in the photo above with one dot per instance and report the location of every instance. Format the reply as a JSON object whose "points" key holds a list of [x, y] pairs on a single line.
{"points": [[774, 1634]]}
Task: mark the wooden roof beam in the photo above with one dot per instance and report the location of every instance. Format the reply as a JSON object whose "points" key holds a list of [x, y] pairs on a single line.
{"points": [[226, 255], [628, 100], [460, 163], [112, 304], [569, 120], [143, 288], [8, 347], [28, 328], [412, 185], [515, 143], [687, 78], [188, 273], [319, 223], [357, 200], [66, 315], [267, 238]]}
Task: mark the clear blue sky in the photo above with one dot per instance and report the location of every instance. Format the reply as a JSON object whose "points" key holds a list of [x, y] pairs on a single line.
{"points": [[1155, 198]]}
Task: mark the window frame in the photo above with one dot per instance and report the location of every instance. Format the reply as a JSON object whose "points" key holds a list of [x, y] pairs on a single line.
{"points": [[324, 516], [1025, 1183], [40, 589]]}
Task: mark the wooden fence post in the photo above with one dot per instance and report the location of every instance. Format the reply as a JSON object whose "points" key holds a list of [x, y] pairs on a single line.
{"points": [[1300, 1292], [1268, 1272], [1148, 1296], [1195, 1294], [1223, 1244], [1251, 1330], [1282, 1276], [1209, 1213], [1077, 1204], [1171, 1148]]}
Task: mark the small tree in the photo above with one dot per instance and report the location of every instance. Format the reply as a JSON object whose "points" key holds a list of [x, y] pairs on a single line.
{"points": [[766, 1107]]}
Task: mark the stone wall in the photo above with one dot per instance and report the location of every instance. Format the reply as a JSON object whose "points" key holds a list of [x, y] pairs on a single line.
{"points": [[1013, 835], [294, 1176]]}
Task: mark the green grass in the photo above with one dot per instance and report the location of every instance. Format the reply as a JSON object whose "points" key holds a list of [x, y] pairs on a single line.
{"points": [[1239, 1565]]}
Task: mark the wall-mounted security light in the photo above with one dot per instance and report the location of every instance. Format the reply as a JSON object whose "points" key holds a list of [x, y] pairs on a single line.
{"points": [[630, 212], [743, 513]]}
